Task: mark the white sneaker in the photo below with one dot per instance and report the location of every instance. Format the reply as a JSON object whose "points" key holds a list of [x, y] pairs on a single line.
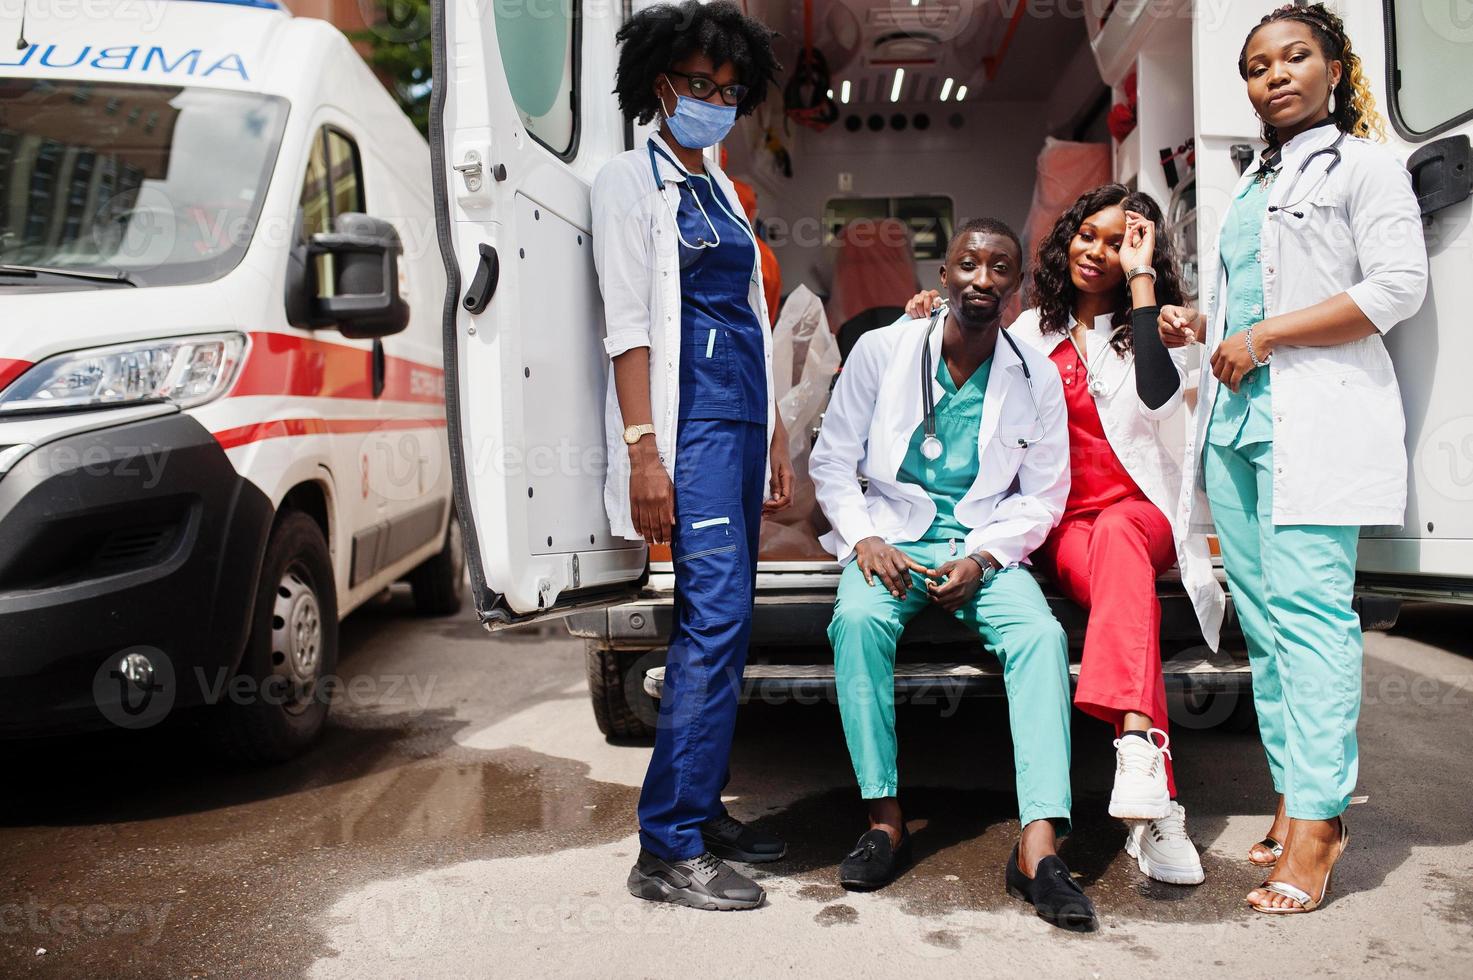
{"points": [[1140, 777], [1163, 850]]}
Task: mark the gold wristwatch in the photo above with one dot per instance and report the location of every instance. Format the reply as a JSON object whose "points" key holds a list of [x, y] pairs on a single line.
{"points": [[634, 433]]}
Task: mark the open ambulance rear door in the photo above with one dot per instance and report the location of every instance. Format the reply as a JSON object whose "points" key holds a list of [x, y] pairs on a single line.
{"points": [[521, 120], [1419, 57]]}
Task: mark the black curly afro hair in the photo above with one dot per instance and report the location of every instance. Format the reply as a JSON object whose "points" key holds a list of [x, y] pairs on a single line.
{"points": [[657, 38]]}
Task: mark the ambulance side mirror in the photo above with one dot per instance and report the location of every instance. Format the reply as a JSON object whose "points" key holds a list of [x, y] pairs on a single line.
{"points": [[361, 258]]}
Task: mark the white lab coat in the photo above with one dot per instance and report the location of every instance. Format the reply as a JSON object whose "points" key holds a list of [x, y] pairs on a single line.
{"points": [[1339, 434], [1020, 491], [1134, 433], [636, 253]]}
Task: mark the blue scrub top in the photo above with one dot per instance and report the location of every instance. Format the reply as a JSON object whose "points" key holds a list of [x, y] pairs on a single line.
{"points": [[947, 479], [723, 361], [1244, 417]]}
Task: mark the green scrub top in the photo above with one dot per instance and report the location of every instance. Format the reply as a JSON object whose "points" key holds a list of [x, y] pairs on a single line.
{"points": [[1244, 417], [947, 479]]}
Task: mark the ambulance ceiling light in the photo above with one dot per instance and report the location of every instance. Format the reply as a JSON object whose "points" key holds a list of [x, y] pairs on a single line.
{"points": [[844, 92], [946, 88], [961, 93], [899, 82]]}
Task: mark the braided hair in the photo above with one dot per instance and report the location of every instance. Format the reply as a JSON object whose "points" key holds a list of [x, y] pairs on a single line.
{"points": [[659, 37], [1052, 288], [1355, 107]]}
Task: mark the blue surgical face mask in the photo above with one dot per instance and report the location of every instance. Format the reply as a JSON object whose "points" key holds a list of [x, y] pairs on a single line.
{"points": [[696, 124]]}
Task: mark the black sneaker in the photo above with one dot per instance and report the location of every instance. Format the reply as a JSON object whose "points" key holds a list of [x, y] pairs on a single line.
{"points": [[731, 840], [1053, 893], [874, 863], [704, 882]]}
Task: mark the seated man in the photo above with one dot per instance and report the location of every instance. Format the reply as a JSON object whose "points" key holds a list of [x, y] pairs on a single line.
{"points": [[966, 477]]}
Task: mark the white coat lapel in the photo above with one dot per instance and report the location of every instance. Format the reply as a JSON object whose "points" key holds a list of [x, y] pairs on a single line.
{"points": [[898, 405], [1006, 375]]}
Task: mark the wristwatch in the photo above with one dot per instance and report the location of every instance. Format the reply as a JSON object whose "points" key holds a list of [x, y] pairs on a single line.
{"points": [[634, 433], [989, 568]]}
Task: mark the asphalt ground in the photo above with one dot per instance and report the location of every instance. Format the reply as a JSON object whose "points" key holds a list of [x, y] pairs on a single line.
{"points": [[463, 817]]}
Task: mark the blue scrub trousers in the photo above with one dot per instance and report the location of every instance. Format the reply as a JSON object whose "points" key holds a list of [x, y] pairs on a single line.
{"points": [[1292, 587], [720, 466]]}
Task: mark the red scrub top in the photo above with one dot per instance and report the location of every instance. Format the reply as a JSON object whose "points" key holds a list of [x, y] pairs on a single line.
{"points": [[1097, 478]]}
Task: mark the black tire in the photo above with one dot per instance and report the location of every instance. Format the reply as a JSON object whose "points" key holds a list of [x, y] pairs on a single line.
{"points": [[439, 584], [292, 646], [621, 707]]}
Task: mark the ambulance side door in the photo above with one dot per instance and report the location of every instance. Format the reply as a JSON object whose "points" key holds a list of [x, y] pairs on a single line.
{"points": [[1423, 81], [521, 121]]}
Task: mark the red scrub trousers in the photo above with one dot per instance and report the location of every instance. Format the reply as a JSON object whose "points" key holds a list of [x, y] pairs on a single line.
{"points": [[1105, 554]]}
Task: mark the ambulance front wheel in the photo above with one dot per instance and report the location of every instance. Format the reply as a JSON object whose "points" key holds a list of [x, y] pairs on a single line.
{"points": [[439, 584], [621, 707], [277, 704]]}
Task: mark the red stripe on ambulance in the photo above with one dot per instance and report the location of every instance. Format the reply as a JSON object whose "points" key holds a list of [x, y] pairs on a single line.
{"points": [[282, 364], [286, 428], [11, 369]]}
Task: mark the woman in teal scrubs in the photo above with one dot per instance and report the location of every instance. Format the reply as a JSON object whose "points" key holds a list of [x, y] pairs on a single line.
{"points": [[1300, 436]]}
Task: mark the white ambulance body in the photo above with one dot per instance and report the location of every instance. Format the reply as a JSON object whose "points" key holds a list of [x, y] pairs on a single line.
{"points": [[222, 421], [946, 109]]}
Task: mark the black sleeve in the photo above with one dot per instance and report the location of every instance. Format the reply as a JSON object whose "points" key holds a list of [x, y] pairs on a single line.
{"points": [[1156, 379]]}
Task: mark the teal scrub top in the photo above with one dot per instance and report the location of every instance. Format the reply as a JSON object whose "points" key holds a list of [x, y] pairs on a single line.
{"points": [[1244, 417], [947, 479]]}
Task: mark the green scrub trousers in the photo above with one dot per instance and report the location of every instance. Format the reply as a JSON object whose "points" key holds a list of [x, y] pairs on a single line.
{"points": [[1292, 585], [1010, 615]]}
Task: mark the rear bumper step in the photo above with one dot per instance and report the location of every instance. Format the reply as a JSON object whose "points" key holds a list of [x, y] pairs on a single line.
{"points": [[812, 683]]}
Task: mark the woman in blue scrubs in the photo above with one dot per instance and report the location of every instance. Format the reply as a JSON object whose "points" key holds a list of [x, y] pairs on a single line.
{"points": [[686, 320]]}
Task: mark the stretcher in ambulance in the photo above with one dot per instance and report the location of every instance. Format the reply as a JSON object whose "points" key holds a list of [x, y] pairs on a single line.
{"points": [[946, 110], [222, 420]]}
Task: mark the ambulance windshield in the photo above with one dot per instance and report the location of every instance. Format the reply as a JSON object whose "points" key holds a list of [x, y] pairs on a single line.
{"points": [[160, 185]]}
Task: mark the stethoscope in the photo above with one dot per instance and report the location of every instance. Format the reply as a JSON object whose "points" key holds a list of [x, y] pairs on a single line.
{"points": [[701, 241], [1334, 151], [931, 446], [1095, 384]]}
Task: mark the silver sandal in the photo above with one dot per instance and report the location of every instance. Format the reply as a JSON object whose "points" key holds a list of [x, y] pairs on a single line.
{"points": [[1306, 903], [1273, 847]]}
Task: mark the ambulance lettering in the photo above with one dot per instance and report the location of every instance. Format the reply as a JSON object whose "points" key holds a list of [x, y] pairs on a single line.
{"points": [[126, 57]]}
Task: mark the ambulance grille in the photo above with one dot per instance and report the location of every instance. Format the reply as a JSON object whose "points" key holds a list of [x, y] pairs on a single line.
{"points": [[133, 547]]}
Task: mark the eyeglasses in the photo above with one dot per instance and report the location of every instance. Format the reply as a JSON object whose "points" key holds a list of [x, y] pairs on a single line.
{"points": [[704, 86]]}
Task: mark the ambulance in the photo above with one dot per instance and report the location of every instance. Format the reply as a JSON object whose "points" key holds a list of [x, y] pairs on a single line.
{"points": [[222, 419], [926, 112]]}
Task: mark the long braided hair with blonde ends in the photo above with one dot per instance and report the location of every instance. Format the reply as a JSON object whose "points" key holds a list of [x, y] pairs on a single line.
{"points": [[1355, 107]]}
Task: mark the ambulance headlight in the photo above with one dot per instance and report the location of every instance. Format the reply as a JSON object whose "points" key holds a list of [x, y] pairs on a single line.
{"points": [[187, 371]]}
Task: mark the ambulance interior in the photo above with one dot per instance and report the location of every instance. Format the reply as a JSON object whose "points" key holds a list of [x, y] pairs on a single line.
{"points": [[908, 117]]}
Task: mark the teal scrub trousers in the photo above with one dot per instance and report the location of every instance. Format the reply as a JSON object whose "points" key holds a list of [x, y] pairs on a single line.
{"points": [[1292, 587], [1013, 619]]}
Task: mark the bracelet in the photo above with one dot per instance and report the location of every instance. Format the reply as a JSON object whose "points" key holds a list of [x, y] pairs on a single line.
{"points": [[1141, 270], [1252, 354]]}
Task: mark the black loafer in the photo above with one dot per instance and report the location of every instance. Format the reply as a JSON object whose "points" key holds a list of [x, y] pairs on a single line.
{"points": [[731, 840], [704, 882], [1053, 893], [874, 863]]}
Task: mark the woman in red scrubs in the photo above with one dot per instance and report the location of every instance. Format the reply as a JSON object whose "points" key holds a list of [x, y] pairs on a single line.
{"points": [[1100, 278]]}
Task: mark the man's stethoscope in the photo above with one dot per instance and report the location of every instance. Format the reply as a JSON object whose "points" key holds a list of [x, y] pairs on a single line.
{"points": [[1334, 151], [701, 241], [931, 446]]}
